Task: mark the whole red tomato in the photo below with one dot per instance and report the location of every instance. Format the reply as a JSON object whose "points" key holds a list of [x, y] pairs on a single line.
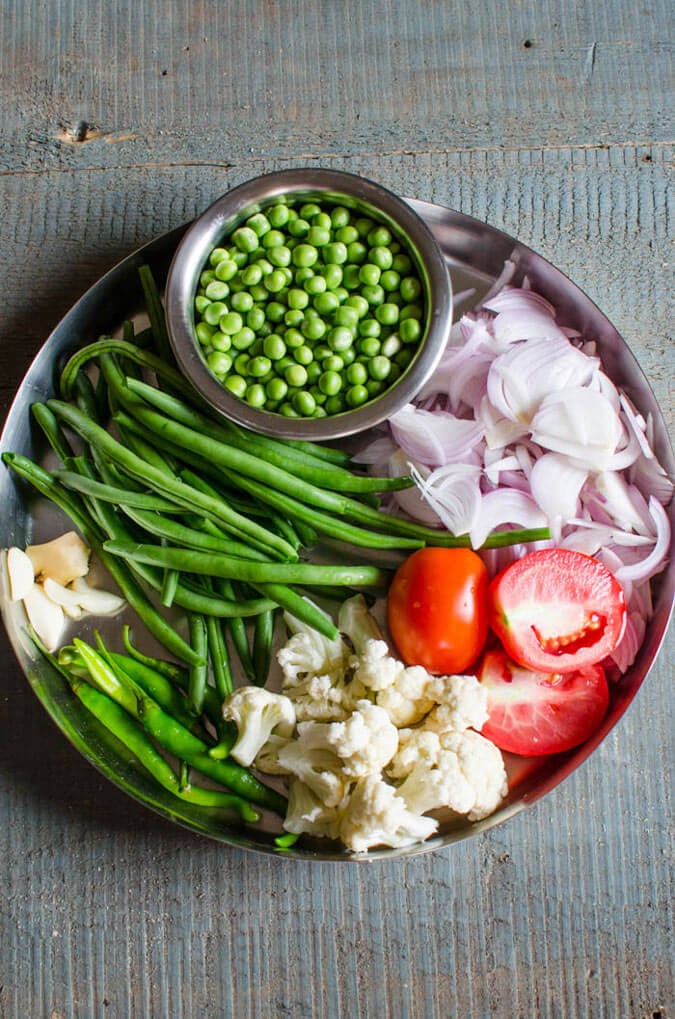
{"points": [[437, 609]]}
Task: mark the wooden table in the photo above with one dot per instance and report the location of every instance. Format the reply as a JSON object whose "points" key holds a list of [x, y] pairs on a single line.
{"points": [[551, 121]]}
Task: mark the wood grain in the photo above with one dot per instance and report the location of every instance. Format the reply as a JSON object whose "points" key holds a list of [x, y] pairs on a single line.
{"points": [[564, 912]]}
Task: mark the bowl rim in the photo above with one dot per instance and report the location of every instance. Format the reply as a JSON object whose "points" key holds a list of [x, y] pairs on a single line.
{"points": [[256, 194]]}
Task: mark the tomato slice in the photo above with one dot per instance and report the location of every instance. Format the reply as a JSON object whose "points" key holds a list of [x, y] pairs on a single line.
{"points": [[556, 610], [437, 609], [538, 713]]}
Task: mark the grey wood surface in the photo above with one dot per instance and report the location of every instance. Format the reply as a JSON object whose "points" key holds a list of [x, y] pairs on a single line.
{"points": [[552, 121]]}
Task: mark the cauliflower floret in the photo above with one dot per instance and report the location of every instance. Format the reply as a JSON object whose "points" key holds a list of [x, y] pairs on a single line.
{"points": [[409, 697], [267, 758], [359, 625], [364, 743], [318, 767], [257, 713], [377, 816], [459, 770], [309, 653], [374, 667], [461, 704], [322, 699], [307, 814]]}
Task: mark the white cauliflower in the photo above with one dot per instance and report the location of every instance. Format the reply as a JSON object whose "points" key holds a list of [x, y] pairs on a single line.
{"points": [[309, 653], [318, 767], [377, 816], [364, 743], [462, 771], [323, 699], [267, 758], [257, 713], [307, 814], [374, 668], [461, 703], [357, 623], [409, 698]]}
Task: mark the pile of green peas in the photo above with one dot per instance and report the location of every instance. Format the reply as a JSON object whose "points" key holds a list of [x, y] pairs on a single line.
{"points": [[309, 310]]}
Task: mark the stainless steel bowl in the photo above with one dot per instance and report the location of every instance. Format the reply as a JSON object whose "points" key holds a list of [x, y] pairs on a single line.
{"points": [[228, 212]]}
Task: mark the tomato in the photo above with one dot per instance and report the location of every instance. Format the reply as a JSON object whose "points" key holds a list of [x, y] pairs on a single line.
{"points": [[437, 609], [557, 610], [537, 713]]}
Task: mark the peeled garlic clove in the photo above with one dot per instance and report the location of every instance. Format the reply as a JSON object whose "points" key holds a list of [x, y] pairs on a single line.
{"points": [[92, 599], [63, 596], [45, 616], [20, 572], [63, 559]]}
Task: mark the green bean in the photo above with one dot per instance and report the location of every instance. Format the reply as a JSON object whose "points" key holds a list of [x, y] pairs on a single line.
{"points": [[332, 477], [237, 630], [131, 590], [239, 569], [108, 345], [138, 445], [263, 633], [190, 537], [156, 315], [53, 432], [169, 587], [167, 484], [197, 674], [85, 396], [222, 675], [110, 493]]}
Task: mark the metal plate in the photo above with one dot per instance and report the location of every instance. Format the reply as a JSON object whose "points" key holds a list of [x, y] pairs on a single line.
{"points": [[476, 254]]}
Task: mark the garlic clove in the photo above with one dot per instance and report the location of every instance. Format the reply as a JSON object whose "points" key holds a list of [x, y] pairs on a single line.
{"points": [[96, 601], [20, 572], [68, 600], [45, 616], [63, 559]]}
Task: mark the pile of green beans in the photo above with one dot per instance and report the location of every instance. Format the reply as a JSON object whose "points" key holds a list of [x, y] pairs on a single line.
{"points": [[309, 310]]}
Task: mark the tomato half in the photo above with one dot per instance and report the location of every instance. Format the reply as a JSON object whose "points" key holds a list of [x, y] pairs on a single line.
{"points": [[555, 610], [437, 609], [537, 713]]}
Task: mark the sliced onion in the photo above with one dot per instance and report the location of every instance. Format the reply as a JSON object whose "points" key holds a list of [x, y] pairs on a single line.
{"points": [[505, 507], [625, 653], [453, 491], [581, 424], [623, 503], [556, 484], [656, 560], [434, 438]]}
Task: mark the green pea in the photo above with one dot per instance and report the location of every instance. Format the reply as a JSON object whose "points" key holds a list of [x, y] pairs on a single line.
{"points": [[390, 280], [207, 277], [230, 322], [259, 224], [275, 311], [309, 209], [340, 339], [357, 252], [288, 410], [356, 396], [373, 294], [348, 355], [335, 253], [245, 239], [219, 362], [305, 272], [294, 318], [375, 387], [319, 397], [313, 328], [303, 355], [359, 303], [411, 288], [346, 316], [347, 234], [293, 338], [314, 285], [304, 403], [410, 330], [242, 301], [236, 385], [278, 215], [240, 258], [330, 383], [387, 314], [325, 303], [369, 327], [251, 275], [276, 388], [258, 367], [280, 255], [364, 225], [282, 364], [322, 351], [335, 404], [216, 256], [411, 311], [379, 367], [226, 269], [391, 345], [255, 318], [243, 338], [275, 281], [333, 276], [322, 219], [313, 373], [203, 332], [296, 375], [379, 237], [214, 312], [274, 347], [273, 239], [318, 236], [403, 358], [350, 277], [332, 363], [219, 341], [241, 363], [381, 257], [369, 274], [340, 217], [297, 299], [259, 293], [402, 264], [341, 293], [305, 255], [255, 395], [201, 302], [298, 227], [357, 374], [369, 347]]}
